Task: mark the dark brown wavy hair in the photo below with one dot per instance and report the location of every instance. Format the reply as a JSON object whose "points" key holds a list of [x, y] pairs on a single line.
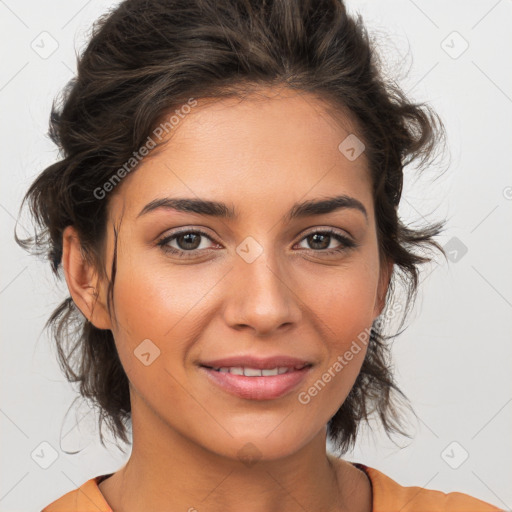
{"points": [[145, 59]]}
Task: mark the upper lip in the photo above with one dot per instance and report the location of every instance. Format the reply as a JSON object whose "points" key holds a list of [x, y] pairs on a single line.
{"points": [[250, 361]]}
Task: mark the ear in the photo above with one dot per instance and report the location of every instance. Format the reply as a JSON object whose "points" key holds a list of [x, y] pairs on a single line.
{"points": [[85, 287], [386, 269]]}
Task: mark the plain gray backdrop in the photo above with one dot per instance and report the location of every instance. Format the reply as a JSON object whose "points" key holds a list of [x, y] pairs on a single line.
{"points": [[454, 359]]}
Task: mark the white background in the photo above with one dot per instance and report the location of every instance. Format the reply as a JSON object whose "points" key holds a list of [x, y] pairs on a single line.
{"points": [[453, 361]]}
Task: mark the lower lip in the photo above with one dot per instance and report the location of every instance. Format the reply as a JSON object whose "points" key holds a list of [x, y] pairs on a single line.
{"points": [[257, 388]]}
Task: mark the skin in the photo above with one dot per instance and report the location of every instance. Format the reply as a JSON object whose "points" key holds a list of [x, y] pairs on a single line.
{"points": [[260, 156]]}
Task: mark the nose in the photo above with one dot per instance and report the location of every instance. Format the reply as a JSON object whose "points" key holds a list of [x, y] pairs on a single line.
{"points": [[262, 297]]}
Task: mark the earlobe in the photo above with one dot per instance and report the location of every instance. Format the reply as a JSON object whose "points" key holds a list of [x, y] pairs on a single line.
{"points": [[82, 280]]}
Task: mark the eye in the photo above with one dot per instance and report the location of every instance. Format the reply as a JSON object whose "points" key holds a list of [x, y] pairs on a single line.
{"points": [[320, 241], [188, 241]]}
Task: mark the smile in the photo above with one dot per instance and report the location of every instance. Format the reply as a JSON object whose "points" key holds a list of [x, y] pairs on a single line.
{"points": [[258, 372], [255, 383]]}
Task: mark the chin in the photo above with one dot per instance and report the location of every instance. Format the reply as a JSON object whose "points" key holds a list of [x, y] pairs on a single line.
{"points": [[250, 449]]}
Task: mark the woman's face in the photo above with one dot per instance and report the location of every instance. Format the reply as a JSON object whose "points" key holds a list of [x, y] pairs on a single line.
{"points": [[256, 284]]}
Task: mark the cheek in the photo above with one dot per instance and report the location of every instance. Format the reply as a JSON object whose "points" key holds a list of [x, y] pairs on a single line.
{"points": [[343, 297], [345, 322], [162, 304], [152, 300], [343, 305]]}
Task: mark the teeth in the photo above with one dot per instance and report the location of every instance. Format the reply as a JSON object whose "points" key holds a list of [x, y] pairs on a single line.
{"points": [[256, 372], [252, 372]]}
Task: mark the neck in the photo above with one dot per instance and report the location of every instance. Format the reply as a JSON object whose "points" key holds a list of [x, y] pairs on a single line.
{"points": [[167, 471]]}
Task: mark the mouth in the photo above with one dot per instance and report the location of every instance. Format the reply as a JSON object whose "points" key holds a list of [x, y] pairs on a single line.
{"points": [[257, 372], [257, 383]]}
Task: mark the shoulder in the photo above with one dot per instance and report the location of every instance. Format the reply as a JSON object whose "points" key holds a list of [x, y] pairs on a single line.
{"points": [[87, 498], [388, 496]]}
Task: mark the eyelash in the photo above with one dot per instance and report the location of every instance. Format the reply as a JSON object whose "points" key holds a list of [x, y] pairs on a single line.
{"points": [[346, 242]]}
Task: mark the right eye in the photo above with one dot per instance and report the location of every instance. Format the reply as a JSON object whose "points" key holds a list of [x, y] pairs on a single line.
{"points": [[188, 241]]}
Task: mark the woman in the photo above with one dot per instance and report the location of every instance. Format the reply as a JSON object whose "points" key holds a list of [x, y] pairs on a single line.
{"points": [[225, 216]]}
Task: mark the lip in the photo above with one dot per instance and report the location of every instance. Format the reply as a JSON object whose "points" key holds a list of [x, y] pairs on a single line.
{"points": [[250, 361], [257, 388]]}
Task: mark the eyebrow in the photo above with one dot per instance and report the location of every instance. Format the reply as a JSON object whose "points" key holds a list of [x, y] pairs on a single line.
{"points": [[222, 210]]}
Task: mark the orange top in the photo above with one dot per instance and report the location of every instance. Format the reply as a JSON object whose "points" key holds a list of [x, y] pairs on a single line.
{"points": [[388, 496]]}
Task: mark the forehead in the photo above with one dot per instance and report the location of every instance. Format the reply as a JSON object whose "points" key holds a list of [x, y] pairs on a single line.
{"points": [[259, 150]]}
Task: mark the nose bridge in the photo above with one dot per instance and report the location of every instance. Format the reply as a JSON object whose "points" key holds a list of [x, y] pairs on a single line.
{"points": [[261, 297]]}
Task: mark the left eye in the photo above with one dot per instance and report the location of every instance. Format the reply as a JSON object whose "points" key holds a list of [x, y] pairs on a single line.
{"points": [[319, 238]]}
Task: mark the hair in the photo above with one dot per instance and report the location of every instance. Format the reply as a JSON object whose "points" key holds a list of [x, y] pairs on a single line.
{"points": [[146, 58]]}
